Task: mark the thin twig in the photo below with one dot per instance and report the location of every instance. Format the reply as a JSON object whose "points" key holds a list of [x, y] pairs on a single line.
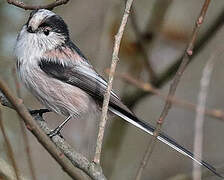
{"points": [[199, 120], [215, 113], [7, 172], [144, 161], [154, 25], [185, 60], [23, 130], [156, 20], [115, 59], [76, 159], [50, 6], [9, 148], [146, 59]]}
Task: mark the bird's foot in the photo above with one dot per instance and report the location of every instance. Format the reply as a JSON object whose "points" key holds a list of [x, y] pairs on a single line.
{"points": [[39, 111], [56, 131]]}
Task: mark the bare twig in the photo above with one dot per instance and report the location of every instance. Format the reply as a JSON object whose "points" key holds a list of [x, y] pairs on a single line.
{"points": [[111, 76], [23, 130], [31, 7], [9, 148], [144, 161], [148, 64], [185, 60], [76, 159], [154, 25], [199, 120], [215, 113], [156, 19]]}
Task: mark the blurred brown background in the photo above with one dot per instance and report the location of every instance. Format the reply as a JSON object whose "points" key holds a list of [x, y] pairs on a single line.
{"points": [[165, 26]]}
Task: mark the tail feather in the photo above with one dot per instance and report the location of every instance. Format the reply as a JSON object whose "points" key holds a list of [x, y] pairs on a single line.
{"points": [[163, 138]]}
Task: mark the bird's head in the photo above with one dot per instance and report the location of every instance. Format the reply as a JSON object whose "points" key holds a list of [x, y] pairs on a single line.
{"points": [[43, 31]]}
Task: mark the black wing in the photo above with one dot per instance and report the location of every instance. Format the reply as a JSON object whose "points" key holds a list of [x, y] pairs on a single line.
{"points": [[85, 78]]}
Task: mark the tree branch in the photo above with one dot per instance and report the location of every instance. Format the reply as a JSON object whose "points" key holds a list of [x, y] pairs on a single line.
{"points": [[41, 129], [23, 129], [199, 119], [50, 6], [115, 59], [142, 47], [147, 87], [184, 62], [6, 171], [153, 27], [9, 150]]}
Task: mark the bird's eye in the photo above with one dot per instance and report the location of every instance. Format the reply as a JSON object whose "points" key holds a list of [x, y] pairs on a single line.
{"points": [[46, 32]]}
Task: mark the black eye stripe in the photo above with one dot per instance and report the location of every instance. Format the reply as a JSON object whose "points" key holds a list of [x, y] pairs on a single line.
{"points": [[56, 24], [44, 24]]}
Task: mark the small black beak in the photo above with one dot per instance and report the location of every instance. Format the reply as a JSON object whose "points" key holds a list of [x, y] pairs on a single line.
{"points": [[29, 29]]}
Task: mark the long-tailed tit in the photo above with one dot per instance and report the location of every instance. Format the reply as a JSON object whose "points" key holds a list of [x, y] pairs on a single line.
{"points": [[58, 74]]}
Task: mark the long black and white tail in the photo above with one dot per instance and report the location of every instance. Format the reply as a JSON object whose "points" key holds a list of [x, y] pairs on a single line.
{"points": [[162, 137]]}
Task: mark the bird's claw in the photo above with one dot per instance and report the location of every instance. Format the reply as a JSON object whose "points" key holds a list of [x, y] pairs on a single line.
{"points": [[55, 132], [39, 111]]}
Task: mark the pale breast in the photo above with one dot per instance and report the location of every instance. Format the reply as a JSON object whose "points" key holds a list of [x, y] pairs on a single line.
{"points": [[56, 95]]}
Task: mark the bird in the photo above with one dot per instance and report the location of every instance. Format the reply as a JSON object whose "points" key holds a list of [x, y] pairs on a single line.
{"points": [[57, 73]]}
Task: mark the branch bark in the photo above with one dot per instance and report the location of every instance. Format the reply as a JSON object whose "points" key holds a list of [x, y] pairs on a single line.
{"points": [[59, 147]]}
